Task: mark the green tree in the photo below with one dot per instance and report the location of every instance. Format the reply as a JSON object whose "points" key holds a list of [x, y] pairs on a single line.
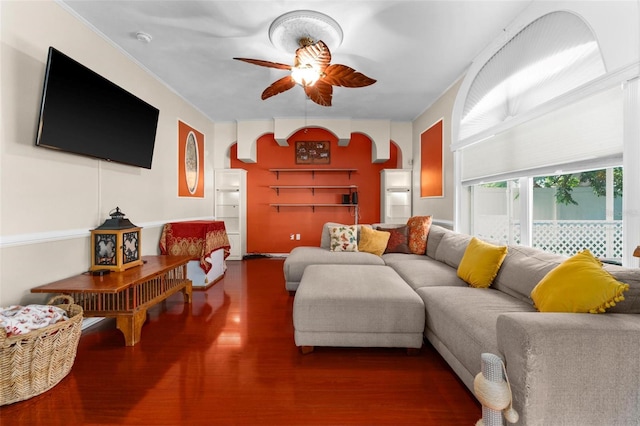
{"points": [[598, 181], [564, 184]]}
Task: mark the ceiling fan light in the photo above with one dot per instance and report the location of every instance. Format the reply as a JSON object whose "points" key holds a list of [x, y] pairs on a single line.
{"points": [[305, 75]]}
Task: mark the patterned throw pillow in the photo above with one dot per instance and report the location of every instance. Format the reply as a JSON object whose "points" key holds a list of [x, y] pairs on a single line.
{"points": [[398, 240], [344, 238], [418, 232]]}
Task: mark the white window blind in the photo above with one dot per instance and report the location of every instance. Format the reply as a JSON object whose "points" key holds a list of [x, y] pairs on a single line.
{"points": [[581, 132]]}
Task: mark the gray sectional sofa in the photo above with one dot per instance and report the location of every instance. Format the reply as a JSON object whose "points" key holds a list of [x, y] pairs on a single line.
{"points": [[564, 368]]}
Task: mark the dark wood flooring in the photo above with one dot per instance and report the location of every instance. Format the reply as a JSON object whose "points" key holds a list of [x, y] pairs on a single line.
{"points": [[230, 359]]}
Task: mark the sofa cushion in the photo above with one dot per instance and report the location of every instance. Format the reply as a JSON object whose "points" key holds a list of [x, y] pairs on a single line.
{"points": [[344, 238], [481, 262], [391, 258], [373, 241], [464, 319], [398, 239], [433, 240], [451, 248], [522, 269], [424, 271], [418, 233], [325, 238], [631, 276], [301, 257], [579, 284]]}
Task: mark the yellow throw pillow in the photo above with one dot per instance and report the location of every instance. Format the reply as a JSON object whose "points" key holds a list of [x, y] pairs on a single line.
{"points": [[579, 284], [373, 241], [481, 262]]}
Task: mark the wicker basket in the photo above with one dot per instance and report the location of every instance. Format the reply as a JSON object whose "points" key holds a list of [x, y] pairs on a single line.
{"points": [[33, 363]]}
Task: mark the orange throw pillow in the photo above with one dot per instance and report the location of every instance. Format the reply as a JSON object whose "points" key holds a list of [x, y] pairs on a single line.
{"points": [[418, 231]]}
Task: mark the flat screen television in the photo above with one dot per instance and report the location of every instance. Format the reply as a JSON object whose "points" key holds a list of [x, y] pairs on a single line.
{"points": [[84, 113]]}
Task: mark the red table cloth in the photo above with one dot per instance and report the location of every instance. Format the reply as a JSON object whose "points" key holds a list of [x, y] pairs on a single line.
{"points": [[195, 238]]}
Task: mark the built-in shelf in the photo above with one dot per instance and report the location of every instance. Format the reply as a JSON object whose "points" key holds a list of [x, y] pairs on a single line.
{"points": [[230, 200], [395, 195], [312, 205], [313, 187], [313, 171], [351, 188]]}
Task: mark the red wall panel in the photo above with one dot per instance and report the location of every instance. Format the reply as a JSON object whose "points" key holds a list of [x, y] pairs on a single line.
{"points": [[431, 162]]}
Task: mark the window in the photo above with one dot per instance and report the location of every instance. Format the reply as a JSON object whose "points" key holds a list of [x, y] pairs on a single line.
{"points": [[570, 212], [496, 211], [577, 211], [552, 55]]}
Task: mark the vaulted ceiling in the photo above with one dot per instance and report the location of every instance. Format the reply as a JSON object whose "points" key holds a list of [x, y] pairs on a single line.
{"points": [[414, 49]]}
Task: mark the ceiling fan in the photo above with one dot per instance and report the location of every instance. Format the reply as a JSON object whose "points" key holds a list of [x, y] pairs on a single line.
{"points": [[312, 69]]}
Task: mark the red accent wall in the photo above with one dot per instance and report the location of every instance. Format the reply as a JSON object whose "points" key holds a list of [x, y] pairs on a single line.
{"points": [[431, 162], [268, 230]]}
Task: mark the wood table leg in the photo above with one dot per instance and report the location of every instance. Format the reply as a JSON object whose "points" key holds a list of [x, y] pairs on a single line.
{"points": [[131, 326], [187, 292]]}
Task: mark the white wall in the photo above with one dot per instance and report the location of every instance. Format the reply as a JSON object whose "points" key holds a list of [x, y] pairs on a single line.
{"points": [[50, 200]]}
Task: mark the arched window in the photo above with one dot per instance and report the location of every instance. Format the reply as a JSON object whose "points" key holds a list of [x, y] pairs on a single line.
{"points": [[549, 57], [542, 109]]}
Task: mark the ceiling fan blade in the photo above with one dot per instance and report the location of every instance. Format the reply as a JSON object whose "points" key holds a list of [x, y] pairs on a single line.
{"points": [[317, 53], [320, 93], [265, 63], [342, 75], [279, 86]]}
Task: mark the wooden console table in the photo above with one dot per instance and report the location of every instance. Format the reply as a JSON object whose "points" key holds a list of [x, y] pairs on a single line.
{"points": [[127, 295]]}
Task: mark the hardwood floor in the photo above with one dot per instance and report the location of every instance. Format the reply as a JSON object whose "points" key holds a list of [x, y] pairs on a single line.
{"points": [[230, 359]]}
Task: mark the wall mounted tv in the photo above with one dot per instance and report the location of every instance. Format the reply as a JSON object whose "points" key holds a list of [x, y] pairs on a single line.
{"points": [[84, 113]]}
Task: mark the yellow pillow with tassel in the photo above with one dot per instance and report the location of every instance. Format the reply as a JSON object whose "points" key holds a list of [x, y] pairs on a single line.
{"points": [[481, 262], [579, 284]]}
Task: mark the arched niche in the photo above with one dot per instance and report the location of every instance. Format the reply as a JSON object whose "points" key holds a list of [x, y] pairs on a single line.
{"points": [[379, 131]]}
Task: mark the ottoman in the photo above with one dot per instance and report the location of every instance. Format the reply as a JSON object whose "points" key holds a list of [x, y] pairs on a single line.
{"points": [[356, 306]]}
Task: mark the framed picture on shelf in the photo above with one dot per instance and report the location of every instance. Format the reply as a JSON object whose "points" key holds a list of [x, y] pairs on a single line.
{"points": [[313, 152]]}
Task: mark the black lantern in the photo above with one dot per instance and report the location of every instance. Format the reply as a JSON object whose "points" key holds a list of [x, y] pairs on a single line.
{"points": [[116, 244]]}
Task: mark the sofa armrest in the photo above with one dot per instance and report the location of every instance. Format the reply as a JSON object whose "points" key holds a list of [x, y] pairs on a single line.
{"points": [[572, 368]]}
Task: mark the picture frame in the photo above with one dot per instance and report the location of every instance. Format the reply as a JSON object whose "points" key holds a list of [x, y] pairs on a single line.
{"points": [[190, 161], [313, 152]]}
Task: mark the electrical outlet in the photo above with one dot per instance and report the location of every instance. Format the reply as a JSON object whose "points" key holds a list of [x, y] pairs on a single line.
{"points": [[297, 236], [292, 237]]}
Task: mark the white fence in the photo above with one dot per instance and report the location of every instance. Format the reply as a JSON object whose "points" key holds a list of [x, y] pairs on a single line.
{"points": [[603, 238]]}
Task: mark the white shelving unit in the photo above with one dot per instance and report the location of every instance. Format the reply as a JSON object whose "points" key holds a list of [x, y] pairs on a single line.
{"points": [[395, 196], [231, 207]]}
